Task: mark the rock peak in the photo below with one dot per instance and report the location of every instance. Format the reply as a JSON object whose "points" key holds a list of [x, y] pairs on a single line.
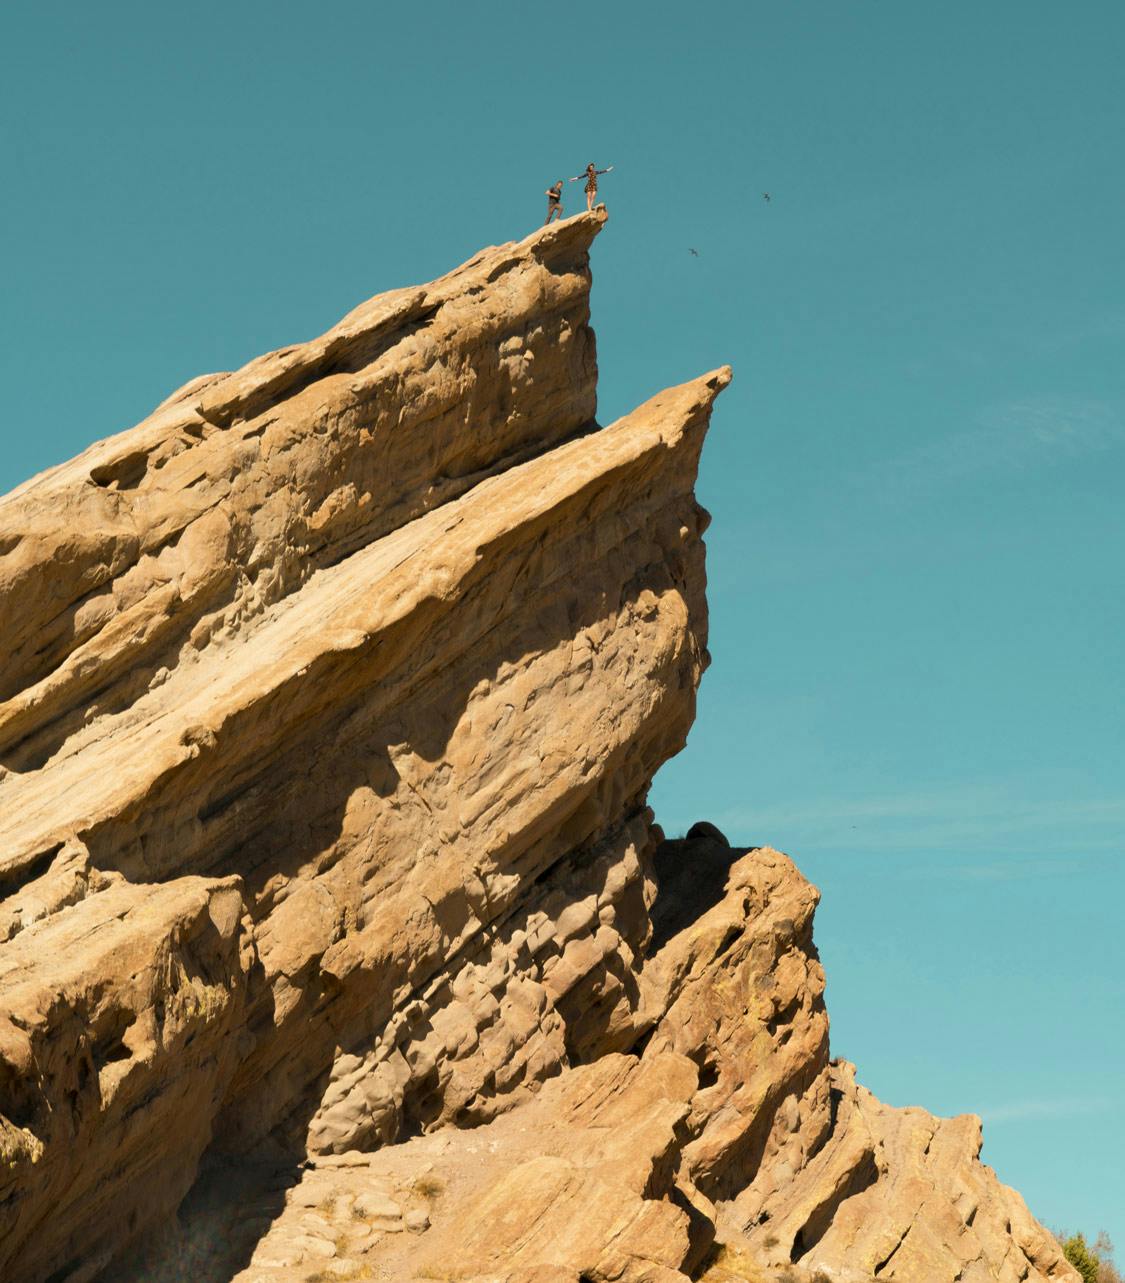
{"points": [[335, 932]]}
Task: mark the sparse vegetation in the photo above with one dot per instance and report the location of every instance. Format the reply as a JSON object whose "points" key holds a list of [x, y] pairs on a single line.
{"points": [[1093, 1261], [428, 1187], [1080, 1256], [731, 1265], [333, 1276]]}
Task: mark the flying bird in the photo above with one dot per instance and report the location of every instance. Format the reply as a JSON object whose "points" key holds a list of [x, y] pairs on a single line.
{"points": [[694, 251], [766, 197]]}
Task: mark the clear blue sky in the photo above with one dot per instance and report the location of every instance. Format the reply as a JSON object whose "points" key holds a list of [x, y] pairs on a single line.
{"points": [[916, 477]]}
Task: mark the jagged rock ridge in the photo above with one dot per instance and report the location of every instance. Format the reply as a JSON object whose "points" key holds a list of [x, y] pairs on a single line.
{"points": [[332, 695]]}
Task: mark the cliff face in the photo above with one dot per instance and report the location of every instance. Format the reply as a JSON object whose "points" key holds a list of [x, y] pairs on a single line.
{"points": [[336, 934]]}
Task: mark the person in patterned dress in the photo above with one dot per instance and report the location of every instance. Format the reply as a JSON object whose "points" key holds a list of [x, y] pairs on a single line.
{"points": [[591, 177]]}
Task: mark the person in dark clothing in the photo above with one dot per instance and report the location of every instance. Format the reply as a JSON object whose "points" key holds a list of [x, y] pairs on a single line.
{"points": [[554, 201], [591, 177]]}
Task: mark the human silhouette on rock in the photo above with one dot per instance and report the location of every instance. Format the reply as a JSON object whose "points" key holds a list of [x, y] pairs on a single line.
{"points": [[554, 201]]}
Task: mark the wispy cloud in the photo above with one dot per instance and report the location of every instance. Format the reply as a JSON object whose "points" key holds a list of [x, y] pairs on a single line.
{"points": [[1012, 437], [1046, 826], [1012, 870], [1018, 1111]]}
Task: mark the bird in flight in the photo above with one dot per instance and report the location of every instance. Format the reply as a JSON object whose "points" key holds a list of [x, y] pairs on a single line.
{"points": [[694, 251], [766, 197]]}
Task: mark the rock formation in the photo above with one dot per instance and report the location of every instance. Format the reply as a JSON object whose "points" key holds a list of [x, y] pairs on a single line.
{"points": [[337, 938]]}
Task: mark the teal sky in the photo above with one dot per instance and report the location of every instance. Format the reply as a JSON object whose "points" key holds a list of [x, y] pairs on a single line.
{"points": [[916, 478]]}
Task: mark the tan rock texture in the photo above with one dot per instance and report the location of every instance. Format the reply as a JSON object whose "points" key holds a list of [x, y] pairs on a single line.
{"points": [[336, 939]]}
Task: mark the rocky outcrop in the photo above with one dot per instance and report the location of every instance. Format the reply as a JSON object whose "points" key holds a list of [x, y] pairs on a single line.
{"points": [[337, 938]]}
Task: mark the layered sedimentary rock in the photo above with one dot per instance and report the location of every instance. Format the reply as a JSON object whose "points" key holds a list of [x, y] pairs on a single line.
{"points": [[336, 935]]}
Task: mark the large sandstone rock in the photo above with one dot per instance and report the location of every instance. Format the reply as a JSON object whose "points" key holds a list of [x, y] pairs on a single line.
{"points": [[336, 939]]}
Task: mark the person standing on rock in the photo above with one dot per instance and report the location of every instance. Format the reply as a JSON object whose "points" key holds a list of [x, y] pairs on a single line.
{"points": [[554, 201], [591, 177]]}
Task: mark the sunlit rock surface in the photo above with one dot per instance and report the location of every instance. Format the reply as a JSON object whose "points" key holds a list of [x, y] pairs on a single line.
{"points": [[336, 938]]}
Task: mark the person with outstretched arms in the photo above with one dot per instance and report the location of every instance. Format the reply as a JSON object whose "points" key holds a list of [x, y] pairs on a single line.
{"points": [[591, 177]]}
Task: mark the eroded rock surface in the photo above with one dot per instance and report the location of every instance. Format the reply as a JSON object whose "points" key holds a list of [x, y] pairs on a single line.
{"points": [[336, 939]]}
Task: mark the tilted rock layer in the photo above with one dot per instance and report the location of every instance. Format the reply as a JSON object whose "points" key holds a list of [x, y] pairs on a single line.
{"points": [[336, 939]]}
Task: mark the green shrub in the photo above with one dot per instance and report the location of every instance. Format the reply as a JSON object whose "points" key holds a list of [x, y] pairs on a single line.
{"points": [[1093, 1261], [1080, 1256]]}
